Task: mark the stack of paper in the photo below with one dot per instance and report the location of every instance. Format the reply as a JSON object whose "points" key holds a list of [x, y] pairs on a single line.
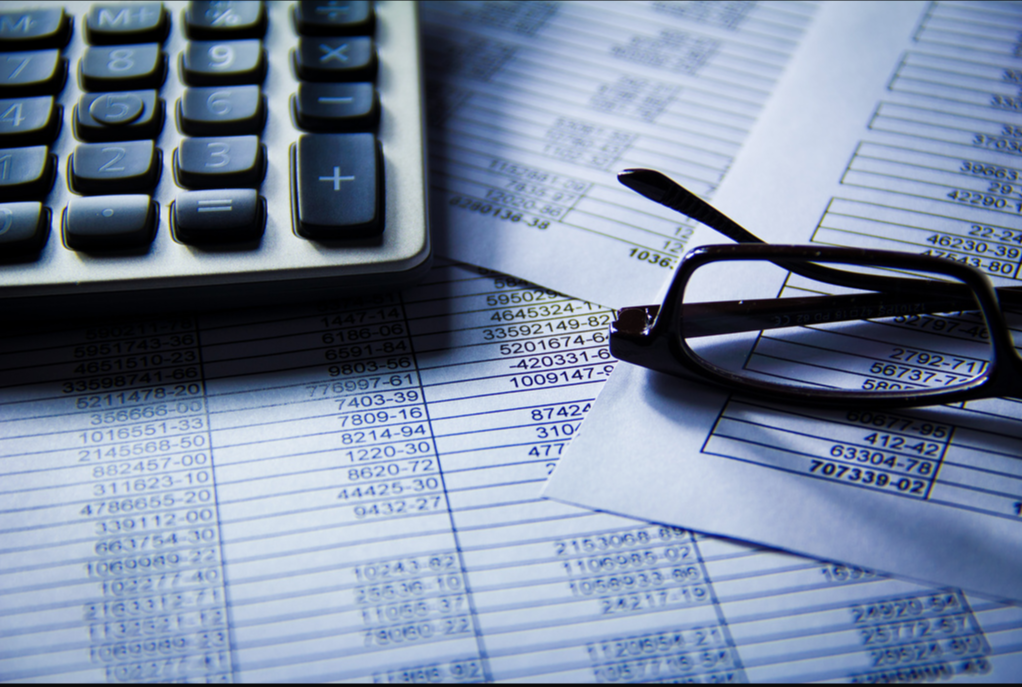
{"points": [[889, 152]]}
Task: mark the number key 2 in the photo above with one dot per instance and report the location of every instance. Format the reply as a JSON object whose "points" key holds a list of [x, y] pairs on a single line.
{"points": [[129, 167]]}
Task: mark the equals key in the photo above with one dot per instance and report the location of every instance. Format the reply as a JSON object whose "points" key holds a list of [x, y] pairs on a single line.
{"points": [[224, 216]]}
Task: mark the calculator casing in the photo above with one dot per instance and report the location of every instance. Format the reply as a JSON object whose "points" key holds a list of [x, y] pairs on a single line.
{"points": [[284, 267]]}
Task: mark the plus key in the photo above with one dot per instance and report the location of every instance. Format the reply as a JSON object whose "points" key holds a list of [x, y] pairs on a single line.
{"points": [[336, 185]]}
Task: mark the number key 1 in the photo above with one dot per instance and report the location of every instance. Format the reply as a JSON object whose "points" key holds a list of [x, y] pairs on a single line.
{"points": [[26, 173]]}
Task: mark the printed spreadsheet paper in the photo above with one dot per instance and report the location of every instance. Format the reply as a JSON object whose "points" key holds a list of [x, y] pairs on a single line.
{"points": [[911, 141], [540, 104], [349, 491]]}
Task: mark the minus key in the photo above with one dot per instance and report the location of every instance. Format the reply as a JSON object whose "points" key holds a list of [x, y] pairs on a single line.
{"points": [[336, 107]]}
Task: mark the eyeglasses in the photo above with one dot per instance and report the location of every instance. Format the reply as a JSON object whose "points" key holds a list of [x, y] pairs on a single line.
{"points": [[851, 327]]}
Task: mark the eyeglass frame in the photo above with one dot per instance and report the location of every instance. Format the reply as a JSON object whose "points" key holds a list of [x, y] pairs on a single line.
{"points": [[653, 337]]}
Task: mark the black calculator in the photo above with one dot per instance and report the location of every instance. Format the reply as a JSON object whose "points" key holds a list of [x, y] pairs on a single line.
{"points": [[180, 155]]}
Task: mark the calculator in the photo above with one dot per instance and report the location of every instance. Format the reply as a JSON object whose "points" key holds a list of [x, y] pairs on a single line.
{"points": [[181, 155]]}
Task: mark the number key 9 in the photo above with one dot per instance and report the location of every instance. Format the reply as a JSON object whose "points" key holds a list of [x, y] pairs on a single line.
{"points": [[223, 63]]}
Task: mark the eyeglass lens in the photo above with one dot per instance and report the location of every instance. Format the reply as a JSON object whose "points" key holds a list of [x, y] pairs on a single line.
{"points": [[928, 335]]}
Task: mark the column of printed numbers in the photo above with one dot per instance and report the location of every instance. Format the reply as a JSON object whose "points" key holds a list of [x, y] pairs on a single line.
{"points": [[350, 449], [628, 572], [514, 341], [846, 623], [920, 637], [516, 347], [651, 569], [152, 504], [384, 433], [394, 472], [415, 600], [897, 454], [699, 654]]}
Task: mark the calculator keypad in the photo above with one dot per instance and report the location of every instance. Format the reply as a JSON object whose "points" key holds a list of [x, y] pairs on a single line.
{"points": [[245, 130]]}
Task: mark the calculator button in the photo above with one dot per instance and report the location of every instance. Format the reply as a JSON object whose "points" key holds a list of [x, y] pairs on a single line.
{"points": [[26, 173], [124, 116], [212, 111], [225, 19], [116, 109], [336, 107], [127, 167], [109, 222], [29, 121], [135, 22], [24, 228], [34, 29], [211, 63], [335, 59], [40, 72], [122, 68], [333, 17], [228, 162], [336, 181], [222, 216]]}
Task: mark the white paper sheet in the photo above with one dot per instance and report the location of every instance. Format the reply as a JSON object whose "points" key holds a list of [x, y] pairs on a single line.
{"points": [[348, 491], [537, 105], [893, 121]]}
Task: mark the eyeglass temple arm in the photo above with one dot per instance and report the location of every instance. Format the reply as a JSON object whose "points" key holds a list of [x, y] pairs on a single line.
{"points": [[662, 189], [731, 317]]}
